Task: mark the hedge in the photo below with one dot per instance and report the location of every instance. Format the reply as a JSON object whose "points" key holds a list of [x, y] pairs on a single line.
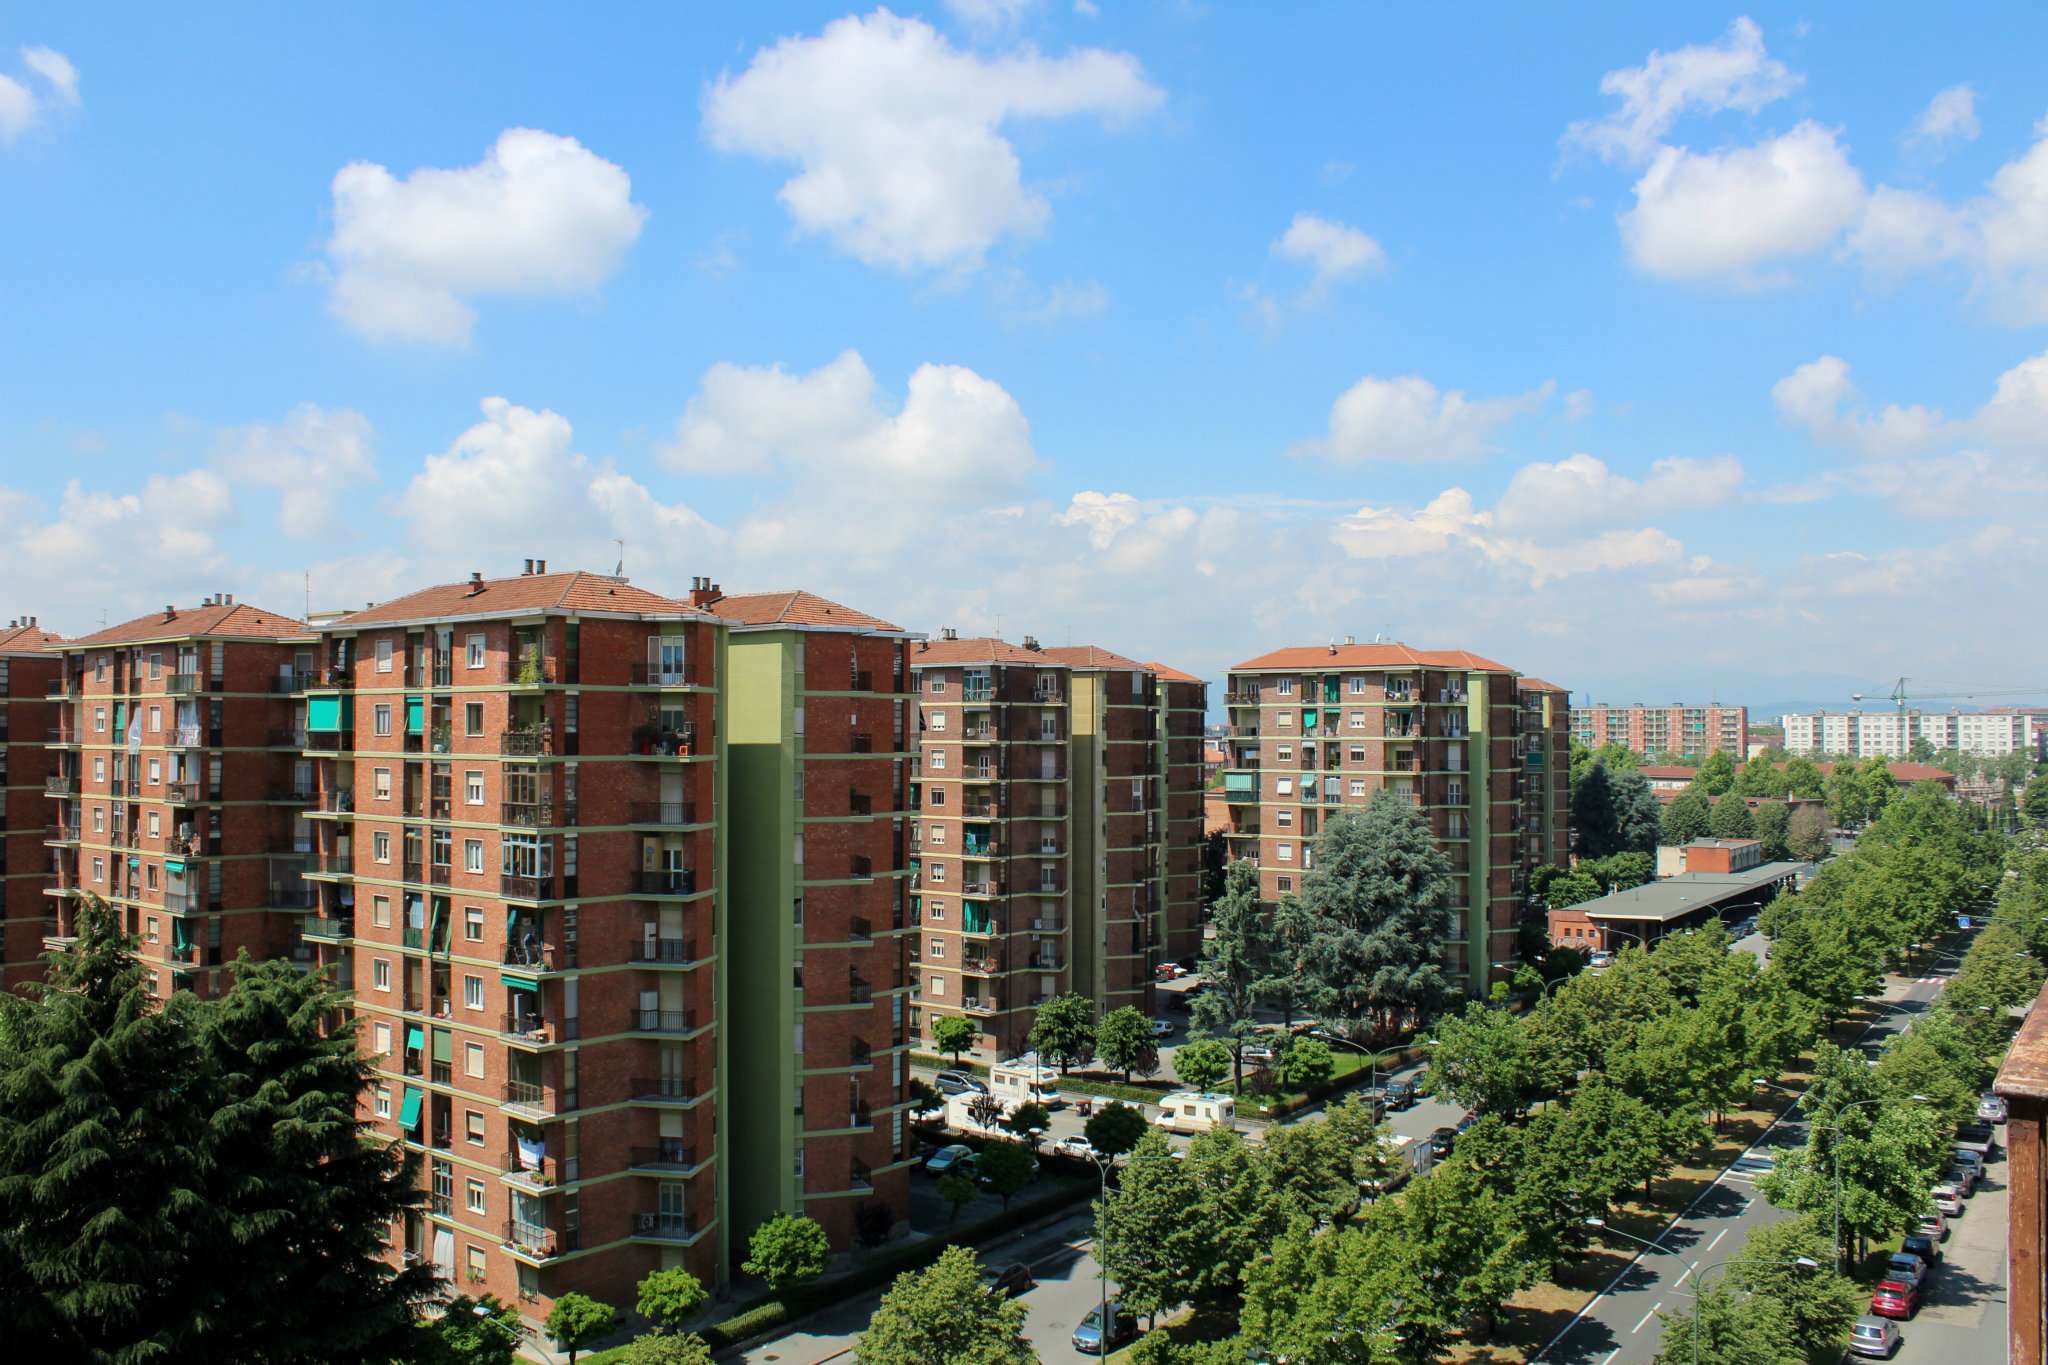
{"points": [[1150, 1093]]}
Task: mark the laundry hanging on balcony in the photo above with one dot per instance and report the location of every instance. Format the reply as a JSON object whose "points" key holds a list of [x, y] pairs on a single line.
{"points": [[532, 1152], [178, 939]]}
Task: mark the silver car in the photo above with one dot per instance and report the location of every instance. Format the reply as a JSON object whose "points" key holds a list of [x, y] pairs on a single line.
{"points": [[1874, 1336], [1991, 1109]]}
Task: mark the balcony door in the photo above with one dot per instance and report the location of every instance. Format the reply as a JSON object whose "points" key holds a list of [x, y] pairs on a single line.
{"points": [[670, 1203]]}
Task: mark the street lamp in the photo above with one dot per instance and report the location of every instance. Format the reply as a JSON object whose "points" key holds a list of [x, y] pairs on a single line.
{"points": [[1372, 1057], [1697, 1274], [1835, 1159], [1103, 1161]]}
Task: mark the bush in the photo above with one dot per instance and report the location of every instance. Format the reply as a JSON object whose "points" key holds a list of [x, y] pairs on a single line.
{"points": [[670, 1298], [787, 1250], [666, 1348]]}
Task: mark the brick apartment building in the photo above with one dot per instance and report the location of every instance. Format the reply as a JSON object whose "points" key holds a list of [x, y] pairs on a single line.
{"points": [[1316, 729], [1052, 786], [1546, 773], [177, 791], [816, 767], [521, 859], [29, 695], [1675, 729]]}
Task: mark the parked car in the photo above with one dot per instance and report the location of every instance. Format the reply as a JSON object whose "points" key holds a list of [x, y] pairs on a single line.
{"points": [[1923, 1246], [1894, 1299], [1088, 1337], [1442, 1141], [1907, 1268], [1161, 1027], [1400, 1094], [1076, 1145], [959, 1083], [1991, 1109], [1968, 1156], [1013, 1278], [1260, 1054], [1603, 957], [1978, 1134], [957, 1156], [1948, 1199], [1874, 1337], [1964, 1178], [1932, 1224]]}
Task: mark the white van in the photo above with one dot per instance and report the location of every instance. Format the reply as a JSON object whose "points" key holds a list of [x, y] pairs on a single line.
{"points": [[1188, 1111], [1024, 1080]]}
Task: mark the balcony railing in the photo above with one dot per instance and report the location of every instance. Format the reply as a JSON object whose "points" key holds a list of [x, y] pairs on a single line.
{"points": [[527, 743], [530, 1094], [330, 741], [60, 786], [526, 888], [664, 813], [671, 881], [678, 1226], [667, 1021], [666, 950], [546, 957], [661, 675], [674, 1089], [667, 1154], [329, 927], [184, 684], [533, 1239], [531, 1028], [535, 1170]]}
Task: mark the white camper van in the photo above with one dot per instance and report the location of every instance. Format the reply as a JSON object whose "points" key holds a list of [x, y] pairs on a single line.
{"points": [[1024, 1080], [1189, 1111]]}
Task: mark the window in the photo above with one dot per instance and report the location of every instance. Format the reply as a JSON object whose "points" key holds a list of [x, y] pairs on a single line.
{"points": [[380, 784], [473, 718], [1284, 852], [380, 1035], [939, 836], [1286, 819], [473, 787], [99, 768], [473, 1059], [1286, 687], [938, 760], [380, 846], [383, 656], [1358, 753], [99, 819], [383, 718], [473, 1126], [473, 856], [156, 826], [381, 1101], [156, 771], [473, 992], [935, 909], [474, 651], [938, 684], [1283, 883], [938, 874], [1357, 720], [156, 719], [380, 911], [152, 924], [1283, 787], [938, 987], [474, 1194], [99, 718], [1285, 753], [936, 949], [1287, 718], [936, 797], [473, 918], [156, 664], [99, 869], [1357, 786], [938, 720], [380, 973], [1357, 684]]}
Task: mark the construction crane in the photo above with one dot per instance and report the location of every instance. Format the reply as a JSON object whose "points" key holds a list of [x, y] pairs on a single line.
{"points": [[1898, 695]]}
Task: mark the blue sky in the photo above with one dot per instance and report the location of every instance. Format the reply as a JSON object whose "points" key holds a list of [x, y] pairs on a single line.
{"points": [[1656, 350]]}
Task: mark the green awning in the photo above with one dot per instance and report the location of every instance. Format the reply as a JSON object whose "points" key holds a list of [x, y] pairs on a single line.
{"points": [[120, 720], [443, 1046], [176, 865], [178, 933], [134, 863], [1308, 720], [409, 1113], [415, 1038], [415, 715], [519, 984], [323, 713], [1240, 782]]}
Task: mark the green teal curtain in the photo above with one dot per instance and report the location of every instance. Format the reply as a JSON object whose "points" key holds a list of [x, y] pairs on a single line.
{"points": [[323, 713], [415, 1038], [409, 1114], [415, 715]]}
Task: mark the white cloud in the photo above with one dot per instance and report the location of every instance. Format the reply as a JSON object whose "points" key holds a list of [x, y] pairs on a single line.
{"points": [[1734, 213], [1087, 9], [309, 457], [1408, 418], [1581, 491], [1949, 116], [1020, 301], [897, 133], [1334, 251], [1105, 515], [22, 104], [1735, 73], [1814, 396], [2000, 237], [1451, 526], [986, 18], [1706, 583], [540, 214]]}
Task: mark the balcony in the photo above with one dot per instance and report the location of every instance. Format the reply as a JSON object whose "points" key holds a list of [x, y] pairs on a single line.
{"points": [[665, 952], [183, 903], [539, 958], [667, 881], [329, 929], [528, 743], [287, 684], [60, 786], [184, 684], [667, 1021], [531, 1028], [292, 795], [183, 793], [669, 1154], [531, 670], [519, 888], [528, 1095], [979, 1005], [663, 1090], [663, 813], [666, 1227], [660, 675], [337, 803], [541, 1172], [330, 741], [534, 1240], [298, 897]]}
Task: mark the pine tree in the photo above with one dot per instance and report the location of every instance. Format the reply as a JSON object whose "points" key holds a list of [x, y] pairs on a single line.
{"points": [[1377, 908]]}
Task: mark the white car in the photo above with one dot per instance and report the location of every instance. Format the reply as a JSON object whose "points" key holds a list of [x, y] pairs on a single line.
{"points": [[1075, 1145], [1991, 1109], [1949, 1200], [1602, 958], [1161, 1028]]}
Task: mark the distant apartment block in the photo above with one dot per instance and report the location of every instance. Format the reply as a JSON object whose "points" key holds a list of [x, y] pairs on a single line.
{"points": [[1057, 843], [30, 694], [1677, 729], [1888, 734], [1318, 729]]}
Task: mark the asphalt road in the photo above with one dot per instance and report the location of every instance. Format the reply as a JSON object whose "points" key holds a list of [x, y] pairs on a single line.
{"points": [[1619, 1326]]}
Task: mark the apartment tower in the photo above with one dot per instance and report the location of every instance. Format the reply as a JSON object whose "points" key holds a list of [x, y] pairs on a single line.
{"points": [[1182, 717], [1545, 829], [521, 854], [1693, 731], [1317, 729], [816, 769], [29, 698], [177, 788]]}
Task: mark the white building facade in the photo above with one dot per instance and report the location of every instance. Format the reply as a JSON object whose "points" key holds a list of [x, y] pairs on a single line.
{"points": [[1887, 734]]}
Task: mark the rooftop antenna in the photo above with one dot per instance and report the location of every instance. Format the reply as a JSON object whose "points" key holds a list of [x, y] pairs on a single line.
{"points": [[309, 594], [620, 570]]}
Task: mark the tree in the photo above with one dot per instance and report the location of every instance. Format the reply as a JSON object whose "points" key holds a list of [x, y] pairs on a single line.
{"points": [[1376, 905], [2034, 804], [1306, 1063], [1803, 779], [1202, 1065], [1123, 1041], [577, 1321], [1028, 1122], [985, 1110], [1733, 1330], [192, 1177], [674, 1348], [1820, 1303], [1482, 1061], [957, 1189], [1716, 776], [1063, 1031], [1347, 1297], [1470, 1250], [669, 1298], [1115, 1128], [1240, 962], [1686, 818], [1309, 1168], [1573, 888], [1761, 776], [924, 1099], [1731, 818], [1771, 824], [940, 1313], [952, 1033], [1236, 1214], [1806, 833], [1638, 815], [1595, 817], [1619, 871], [1882, 1160], [1145, 1232], [788, 1250], [468, 1331], [1006, 1168]]}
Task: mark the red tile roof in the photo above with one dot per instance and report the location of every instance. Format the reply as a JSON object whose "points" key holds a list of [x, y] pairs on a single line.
{"points": [[1905, 774], [794, 607], [27, 640], [1538, 685], [524, 595], [239, 620], [947, 653], [1667, 772], [1169, 674], [1091, 656], [1316, 657]]}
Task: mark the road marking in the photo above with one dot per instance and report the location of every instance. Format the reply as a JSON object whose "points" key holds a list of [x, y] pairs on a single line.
{"points": [[1680, 1281], [1646, 1317], [1611, 1355], [1717, 1239]]}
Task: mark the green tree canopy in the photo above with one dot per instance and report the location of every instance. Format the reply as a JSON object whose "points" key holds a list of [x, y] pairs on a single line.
{"points": [[1144, 1230], [940, 1313], [1820, 1303], [1202, 1065], [1306, 1063], [952, 1033], [789, 1249], [1063, 1031], [1242, 961], [467, 1331], [1006, 1168], [1716, 776], [1377, 907], [1803, 778], [1688, 816], [1115, 1128], [1483, 1060], [669, 1298], [1733, 1329], [1123, 1041], [1731, 818], [1771, 824], [578, 1321]]}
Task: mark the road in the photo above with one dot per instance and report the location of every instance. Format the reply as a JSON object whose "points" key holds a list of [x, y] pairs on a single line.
{"points": [[1619, 1326]]}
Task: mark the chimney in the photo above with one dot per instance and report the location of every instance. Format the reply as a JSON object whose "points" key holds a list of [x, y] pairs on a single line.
{"points": [[170, 612], [703, 592], [540, 566], [1031, 643], [529, 567], [1351, 639], [476, 583], [231, 599]]}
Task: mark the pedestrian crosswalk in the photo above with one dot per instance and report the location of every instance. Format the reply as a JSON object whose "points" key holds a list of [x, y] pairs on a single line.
{"points": [[1751, 1167]]}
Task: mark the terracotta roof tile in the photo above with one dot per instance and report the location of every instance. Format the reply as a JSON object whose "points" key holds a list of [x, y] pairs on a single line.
{"points": [[797, 608], [1314, 657], [239, 620], [28, 640], [1528, 684], [524, 595], [949, 653], [1092, 656], [1171, 674]]}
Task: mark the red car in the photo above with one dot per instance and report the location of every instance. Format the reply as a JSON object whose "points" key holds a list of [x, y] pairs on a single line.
{"points": [[1894, 1299]]}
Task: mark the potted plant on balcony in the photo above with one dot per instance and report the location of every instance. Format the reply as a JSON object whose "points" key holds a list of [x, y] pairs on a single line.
{"points": [[644, 735]]}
